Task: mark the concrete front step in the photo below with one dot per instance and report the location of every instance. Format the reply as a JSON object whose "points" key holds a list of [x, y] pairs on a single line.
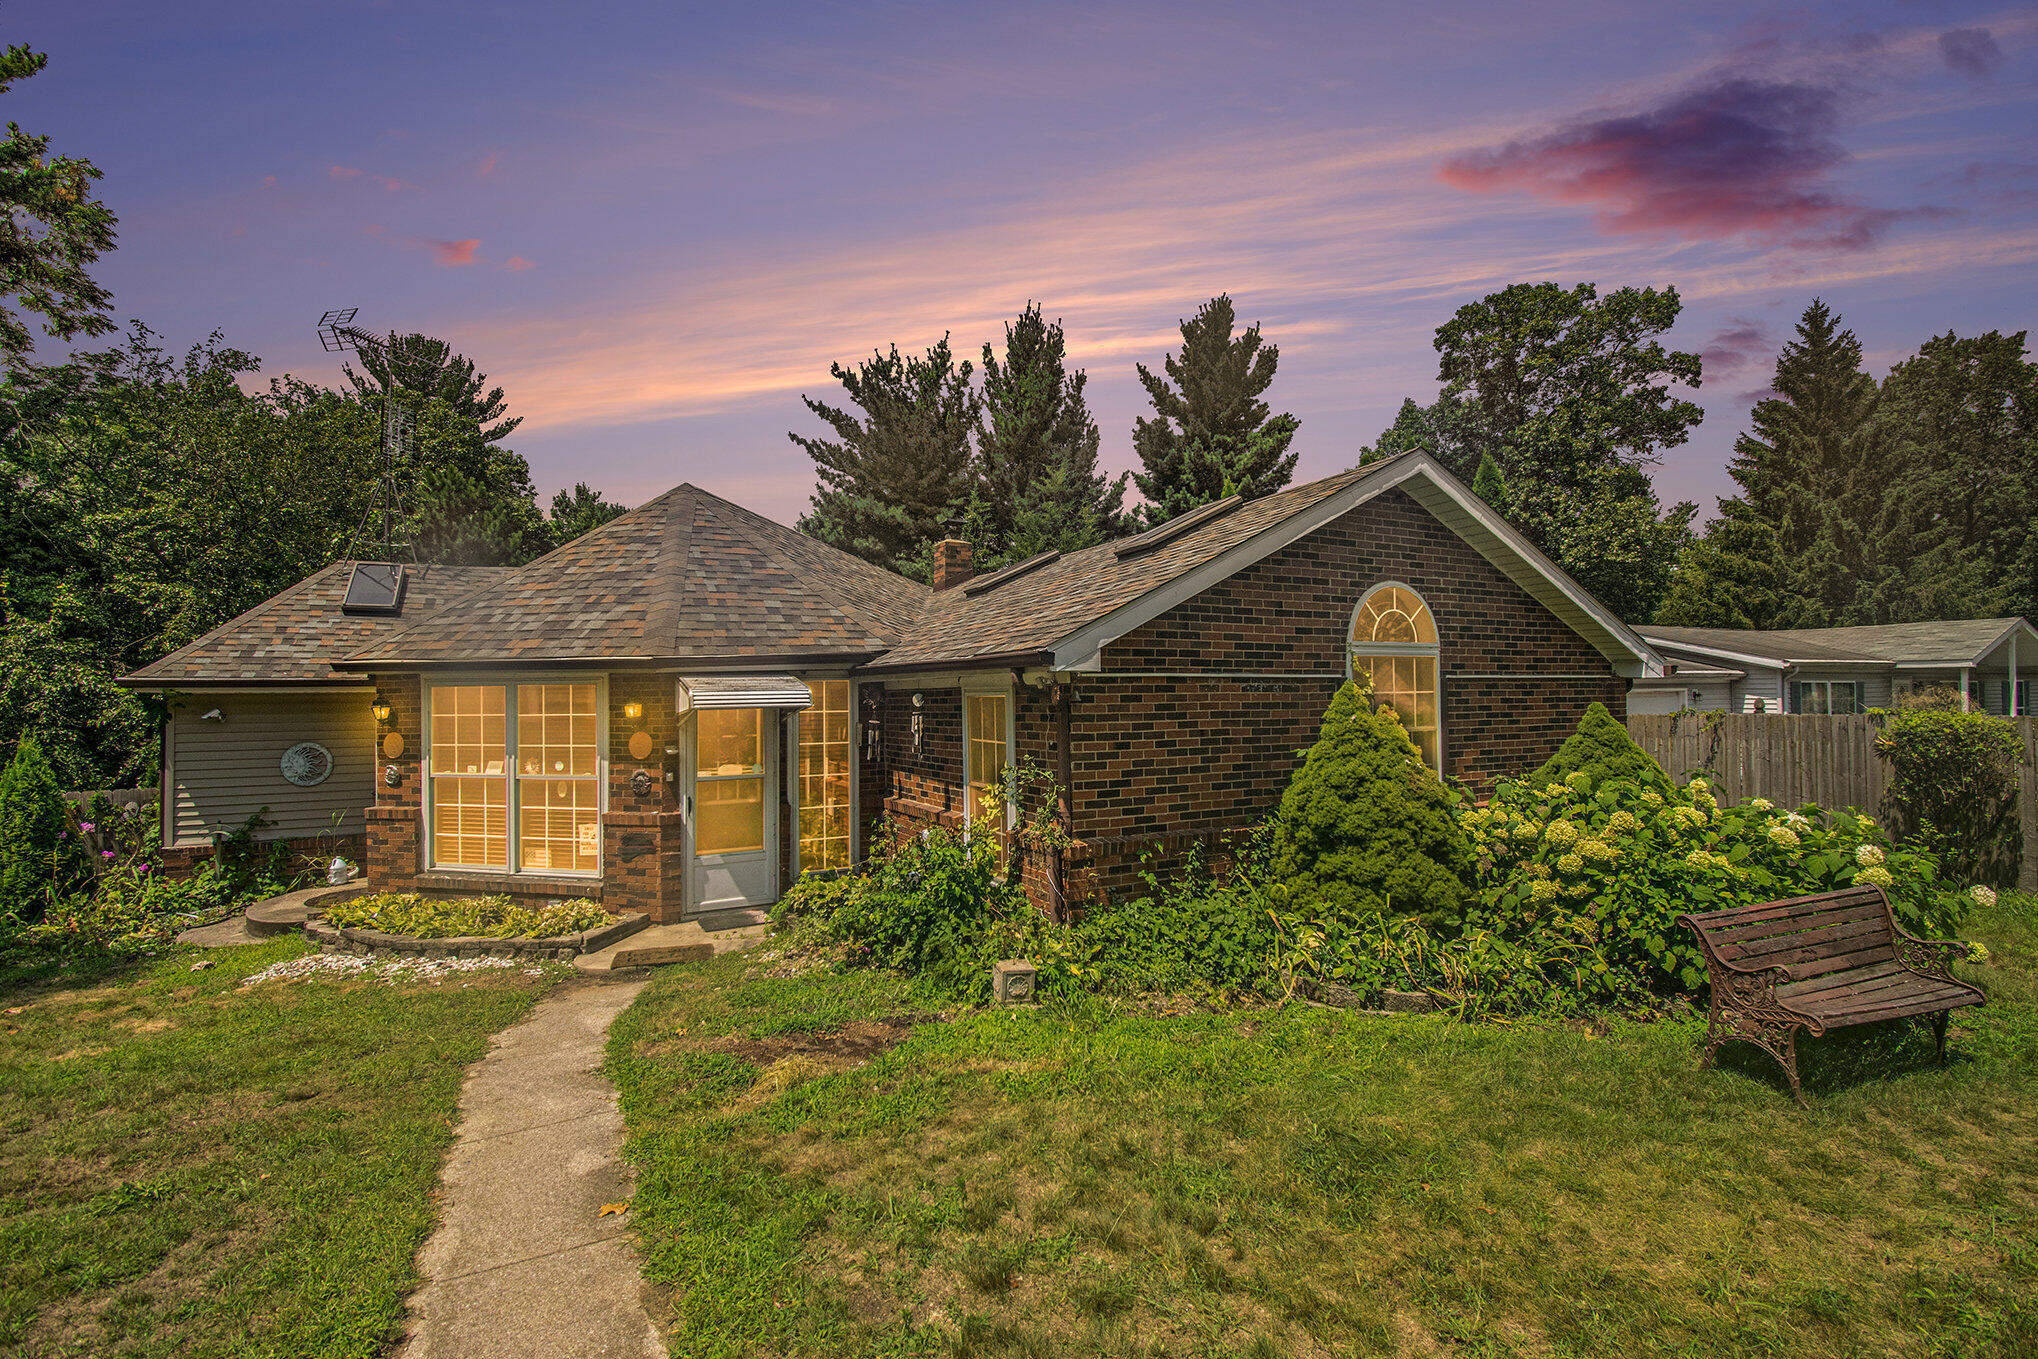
{"points": [[660, 945]]}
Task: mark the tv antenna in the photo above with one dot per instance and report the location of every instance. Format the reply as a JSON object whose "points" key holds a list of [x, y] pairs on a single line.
{"points": [[338, 334]]}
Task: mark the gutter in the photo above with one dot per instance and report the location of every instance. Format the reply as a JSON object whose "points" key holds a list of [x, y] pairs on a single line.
{"points": [[993, 661]]}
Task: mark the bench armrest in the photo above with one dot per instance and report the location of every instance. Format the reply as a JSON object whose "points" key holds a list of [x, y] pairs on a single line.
{"points": [[1933, 957], [1713, 961]]}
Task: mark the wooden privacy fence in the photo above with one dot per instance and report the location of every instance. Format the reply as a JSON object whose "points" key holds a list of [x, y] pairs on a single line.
{"points": [[1806, 758]]}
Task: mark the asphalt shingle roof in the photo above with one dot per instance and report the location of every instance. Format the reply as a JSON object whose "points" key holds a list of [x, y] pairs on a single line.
{"points": [[1955, 642], [298, 634], [688, 575], [1042, 607]]}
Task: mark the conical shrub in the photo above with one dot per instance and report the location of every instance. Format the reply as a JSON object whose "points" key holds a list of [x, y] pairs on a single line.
{"points": [[1601, 749]]}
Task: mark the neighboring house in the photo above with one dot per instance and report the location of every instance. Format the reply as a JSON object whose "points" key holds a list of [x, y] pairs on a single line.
{"points": [[684, 708], [1840, 670]]}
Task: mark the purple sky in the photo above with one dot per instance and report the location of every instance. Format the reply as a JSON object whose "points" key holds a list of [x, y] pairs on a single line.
{"points": [[657, 224]]}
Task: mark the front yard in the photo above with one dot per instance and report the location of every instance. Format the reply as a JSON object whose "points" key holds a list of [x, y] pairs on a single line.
{"points": [[189, 1168], [825, 1168]]}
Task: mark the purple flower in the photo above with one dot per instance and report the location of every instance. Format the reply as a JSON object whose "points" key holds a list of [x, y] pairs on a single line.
{"points": [[86, 827], [106, 854], [63, 835], [145, 868]]}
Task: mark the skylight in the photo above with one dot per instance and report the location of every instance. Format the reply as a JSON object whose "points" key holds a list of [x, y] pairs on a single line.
{"points": [[375, 588]]}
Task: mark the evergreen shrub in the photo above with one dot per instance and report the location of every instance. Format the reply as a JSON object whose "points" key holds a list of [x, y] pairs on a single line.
{"points": [[41, 857], [1365, 826], [1602, 750]]}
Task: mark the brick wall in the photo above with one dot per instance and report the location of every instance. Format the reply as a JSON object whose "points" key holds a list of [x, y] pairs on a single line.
{"points": [[925, 783], [1163, 762], [302, 854], [395, 853], [644, 828]]}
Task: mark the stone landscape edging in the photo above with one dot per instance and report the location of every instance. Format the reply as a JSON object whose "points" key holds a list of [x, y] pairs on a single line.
{"points": [[559, 947]]}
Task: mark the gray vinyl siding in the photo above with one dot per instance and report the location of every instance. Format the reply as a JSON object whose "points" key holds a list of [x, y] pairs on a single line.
{"points": [[222, 772], [1766, 685]]}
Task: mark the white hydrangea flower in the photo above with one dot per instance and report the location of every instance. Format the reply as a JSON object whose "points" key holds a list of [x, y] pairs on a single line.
{"points": [[1878, 875], [1762, 804], [1784, 835], [1985, 896], [1868, 856]]}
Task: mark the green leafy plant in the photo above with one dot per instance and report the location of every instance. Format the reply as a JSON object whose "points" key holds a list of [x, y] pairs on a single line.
{"points": [[41, 857], [1953, 779], [491, 917], [1365, 825]]}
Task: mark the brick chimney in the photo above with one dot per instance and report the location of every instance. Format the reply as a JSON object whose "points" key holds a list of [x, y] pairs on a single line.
{"points": [[954, 563]]}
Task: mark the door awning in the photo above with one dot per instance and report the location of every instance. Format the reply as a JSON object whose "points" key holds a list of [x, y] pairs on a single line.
{"points": [[743, 691]]}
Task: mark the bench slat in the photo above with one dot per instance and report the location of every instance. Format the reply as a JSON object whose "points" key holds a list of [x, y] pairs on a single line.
{"points": [[1818, 965], [1941, 997], [1791, 906], [1790, 993], [1827, 938], [1809, 920]]}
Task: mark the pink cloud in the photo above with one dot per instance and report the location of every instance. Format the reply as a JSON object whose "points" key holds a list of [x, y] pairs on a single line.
{"points": [[488, 164], [453, 254], [343, 172], [1736, 345], [516, 264], [1738, 158], [268, 181]]}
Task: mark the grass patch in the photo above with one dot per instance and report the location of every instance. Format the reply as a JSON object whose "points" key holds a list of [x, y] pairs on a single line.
{"points": [[188, 1168], [1084, 1178]]}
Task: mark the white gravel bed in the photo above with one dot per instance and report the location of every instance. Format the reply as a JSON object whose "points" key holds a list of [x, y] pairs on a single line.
{"points": [[389, 971]]}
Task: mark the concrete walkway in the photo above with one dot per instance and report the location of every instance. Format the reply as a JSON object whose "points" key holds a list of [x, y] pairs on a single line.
{"points": [[522, 1264]]}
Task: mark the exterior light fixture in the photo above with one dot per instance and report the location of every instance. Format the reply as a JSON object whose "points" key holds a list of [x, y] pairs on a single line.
{"points": [[382, 711], [633, 711]]}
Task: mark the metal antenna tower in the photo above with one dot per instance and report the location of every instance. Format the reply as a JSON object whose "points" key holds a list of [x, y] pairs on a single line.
{"points": [[338, 334]]}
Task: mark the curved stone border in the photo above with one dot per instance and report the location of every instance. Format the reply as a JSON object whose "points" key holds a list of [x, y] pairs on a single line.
{"points": [[559, 947]]}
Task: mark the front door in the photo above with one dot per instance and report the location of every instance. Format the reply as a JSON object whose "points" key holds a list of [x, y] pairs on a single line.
{"points": [[735, 824]]}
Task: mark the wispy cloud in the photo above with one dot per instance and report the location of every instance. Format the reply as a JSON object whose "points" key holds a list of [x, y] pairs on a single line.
{"points": [[1738, 158], [1970, 51], [347, 172], [1735, 346], [444, 253]]}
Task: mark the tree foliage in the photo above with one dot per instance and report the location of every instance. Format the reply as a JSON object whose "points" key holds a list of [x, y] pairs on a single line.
{"points": [[40, 860], [1038, 483], [1569, 394], [899, 468], [1211, 434], [429, 368], [1953, 778], [51, 231], [1365, 826], [579, 511]]}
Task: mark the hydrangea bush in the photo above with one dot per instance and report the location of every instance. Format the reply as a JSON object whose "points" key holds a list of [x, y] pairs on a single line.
{"points": [[1613, 864]]}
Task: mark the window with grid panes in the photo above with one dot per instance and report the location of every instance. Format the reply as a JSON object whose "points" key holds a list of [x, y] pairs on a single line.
{"points": [[826, 769], [524, 754], [1394, 647], [986, 756]]}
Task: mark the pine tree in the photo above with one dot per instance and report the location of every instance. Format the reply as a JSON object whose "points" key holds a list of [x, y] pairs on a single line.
{"points": [[1037, 451], [1813, 475], [1490, 485], [893, 479], [429, 368], [39, 858], [579, 511], [1211, 434], [1602, 750], [1726, 578], [1365, 826]]}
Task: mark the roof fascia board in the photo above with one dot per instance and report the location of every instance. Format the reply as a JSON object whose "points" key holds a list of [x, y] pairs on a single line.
{"points": [[781, 661], [2023, 623], [1082, 646], [1760, 662], [336, 684]]}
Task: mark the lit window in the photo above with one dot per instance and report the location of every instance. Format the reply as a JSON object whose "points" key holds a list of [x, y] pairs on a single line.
{"points": [[729, 781], [825, 773], [1394, 648], [544, 734], [986, 757]]}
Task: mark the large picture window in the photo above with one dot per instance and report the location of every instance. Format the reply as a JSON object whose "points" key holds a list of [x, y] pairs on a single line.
{"points": [[549, 736], [1825, 696], [1394, 648], [826, 771]]}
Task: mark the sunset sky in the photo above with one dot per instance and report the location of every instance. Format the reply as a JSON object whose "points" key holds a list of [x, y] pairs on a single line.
{"points": [[657, 224]]}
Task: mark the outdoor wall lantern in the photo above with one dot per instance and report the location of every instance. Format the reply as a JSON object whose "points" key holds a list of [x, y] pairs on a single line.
{"points": [[382, 711], [633, 711]]}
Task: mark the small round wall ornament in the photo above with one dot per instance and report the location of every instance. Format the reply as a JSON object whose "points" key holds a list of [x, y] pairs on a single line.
{"points": [[392, 745], [306, 764], [640, 783], [640, 745]]}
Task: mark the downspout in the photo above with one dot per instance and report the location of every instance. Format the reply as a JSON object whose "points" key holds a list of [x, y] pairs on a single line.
{"points": [[1064, 776]]}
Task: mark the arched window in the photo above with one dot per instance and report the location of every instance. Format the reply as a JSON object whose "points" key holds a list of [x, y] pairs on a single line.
{"points": [[1394, 643]]}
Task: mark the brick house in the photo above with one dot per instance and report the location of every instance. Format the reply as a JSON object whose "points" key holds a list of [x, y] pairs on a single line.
{"points": [[682, 710]]}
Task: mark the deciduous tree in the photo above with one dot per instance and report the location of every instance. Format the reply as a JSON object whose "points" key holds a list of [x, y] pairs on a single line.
{"points": [[51, 231]]}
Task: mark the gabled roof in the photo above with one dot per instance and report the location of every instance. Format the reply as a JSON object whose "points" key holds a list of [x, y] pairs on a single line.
{"points": [[687, 576], [1066, 609], [1953, 642], [294, 637]]}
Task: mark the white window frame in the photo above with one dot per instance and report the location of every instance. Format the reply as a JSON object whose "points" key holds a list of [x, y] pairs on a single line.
{"points": [[855, 764], [1794, 697], [1434, 650], [989, 688], [513, 854]]}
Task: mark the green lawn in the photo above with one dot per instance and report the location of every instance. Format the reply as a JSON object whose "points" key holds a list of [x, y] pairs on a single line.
{"points": [[188, 1168], [822, 1173]]}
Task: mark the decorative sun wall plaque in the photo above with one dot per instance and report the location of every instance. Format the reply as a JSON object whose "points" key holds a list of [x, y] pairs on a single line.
{"points": [[306, 764], [392, 744], [640, 746]]}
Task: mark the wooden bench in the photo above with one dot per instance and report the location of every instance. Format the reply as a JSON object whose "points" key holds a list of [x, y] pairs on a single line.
{"points": [[1818, 963]]}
